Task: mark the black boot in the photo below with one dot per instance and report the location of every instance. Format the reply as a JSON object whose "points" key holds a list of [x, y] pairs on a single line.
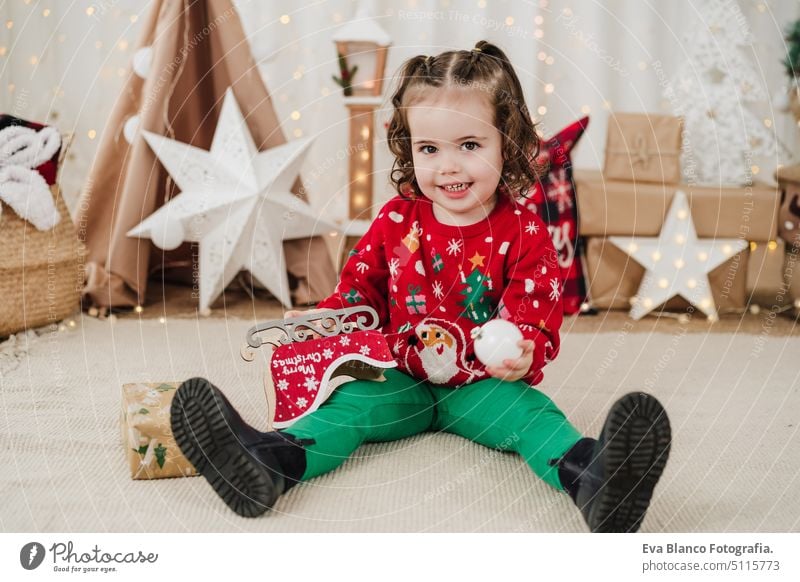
{"points": [[612, 479], [249, 469]]}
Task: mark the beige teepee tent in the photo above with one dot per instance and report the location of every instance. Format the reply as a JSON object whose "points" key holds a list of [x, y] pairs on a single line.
{"points": [[198, 50]]}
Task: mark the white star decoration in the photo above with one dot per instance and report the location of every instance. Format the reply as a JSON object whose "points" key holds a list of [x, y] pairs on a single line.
{"points": [[236, 202], [677, 262]]}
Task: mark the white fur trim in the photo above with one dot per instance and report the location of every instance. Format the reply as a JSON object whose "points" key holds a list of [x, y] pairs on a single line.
{"points": [[22, 150], [29, 195]]}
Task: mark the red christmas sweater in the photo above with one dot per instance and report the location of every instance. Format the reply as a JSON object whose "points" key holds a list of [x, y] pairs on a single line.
{"points": [[432, 283]]}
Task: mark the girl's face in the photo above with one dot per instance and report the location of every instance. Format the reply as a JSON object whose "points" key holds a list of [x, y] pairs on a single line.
{"points": [[457, 154]]}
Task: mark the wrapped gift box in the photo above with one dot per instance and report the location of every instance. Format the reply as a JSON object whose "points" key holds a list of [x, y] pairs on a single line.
{"points": [[614, 278], [791, 278], [614, 208], [789, 229], [644, 148], [146, 433], [789, 214], [765, 269]]}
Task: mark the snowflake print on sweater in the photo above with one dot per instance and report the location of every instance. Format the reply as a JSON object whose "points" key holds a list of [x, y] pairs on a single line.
{"points": [[394, 268], [502, 266], [454, 246], [438, 292], [555, 289]]}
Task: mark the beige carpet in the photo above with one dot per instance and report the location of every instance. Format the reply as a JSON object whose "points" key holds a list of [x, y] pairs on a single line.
{"points": [[733, 400]]}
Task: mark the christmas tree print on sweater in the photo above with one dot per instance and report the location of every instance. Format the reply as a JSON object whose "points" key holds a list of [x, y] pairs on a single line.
{"points": [[476, 304], [426, 278]]}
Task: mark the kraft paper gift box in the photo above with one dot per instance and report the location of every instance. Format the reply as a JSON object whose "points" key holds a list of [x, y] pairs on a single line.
{"points": [[791, 278], [146, 433], [614, 208], [614, 278], [765, 269], [788, 178], [644, 148]]}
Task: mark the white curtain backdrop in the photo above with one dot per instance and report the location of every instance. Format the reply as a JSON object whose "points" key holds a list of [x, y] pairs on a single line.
{"points": [[62, 62]]}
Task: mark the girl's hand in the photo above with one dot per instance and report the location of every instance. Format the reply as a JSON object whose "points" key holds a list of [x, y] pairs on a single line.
{"points": [[513, 370], [299, 313]]}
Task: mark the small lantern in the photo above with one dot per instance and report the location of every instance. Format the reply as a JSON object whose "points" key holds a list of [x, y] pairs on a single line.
{"points": [[361, 47]]}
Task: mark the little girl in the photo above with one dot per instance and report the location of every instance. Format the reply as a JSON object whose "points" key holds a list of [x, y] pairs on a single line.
{"points": [[451, 252]]}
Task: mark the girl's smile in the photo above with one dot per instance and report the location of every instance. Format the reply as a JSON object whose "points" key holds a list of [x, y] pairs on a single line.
{"points": [[456, 191], [457, 154]]}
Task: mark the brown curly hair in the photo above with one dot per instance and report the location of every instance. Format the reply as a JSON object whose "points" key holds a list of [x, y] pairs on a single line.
{"points": [[485, 68]]}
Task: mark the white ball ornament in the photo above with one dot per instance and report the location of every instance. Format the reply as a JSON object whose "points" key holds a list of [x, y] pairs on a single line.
{"points": [[141, 61], [496, 341], [168, 235]]}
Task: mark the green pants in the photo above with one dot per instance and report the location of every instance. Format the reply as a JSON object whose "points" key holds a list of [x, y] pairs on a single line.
{"points": [[503, 415]]}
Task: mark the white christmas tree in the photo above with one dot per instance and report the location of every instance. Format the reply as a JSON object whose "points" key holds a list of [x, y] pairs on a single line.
{"points": [[713, 91]]}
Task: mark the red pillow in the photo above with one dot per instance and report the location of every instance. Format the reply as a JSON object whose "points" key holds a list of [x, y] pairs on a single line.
{"points": [[553, 199]]}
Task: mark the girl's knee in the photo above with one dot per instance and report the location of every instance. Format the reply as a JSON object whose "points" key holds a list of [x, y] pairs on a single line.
{"points": [[526, 406], [358, 389], [519, 392]]}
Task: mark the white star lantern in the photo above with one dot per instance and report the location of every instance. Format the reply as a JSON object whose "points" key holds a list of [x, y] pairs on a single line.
{"points": [[677, 262], [236, 203]]}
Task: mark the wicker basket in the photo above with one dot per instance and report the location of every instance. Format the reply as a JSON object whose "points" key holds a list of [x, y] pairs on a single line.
{"points": [[41, 272]]}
